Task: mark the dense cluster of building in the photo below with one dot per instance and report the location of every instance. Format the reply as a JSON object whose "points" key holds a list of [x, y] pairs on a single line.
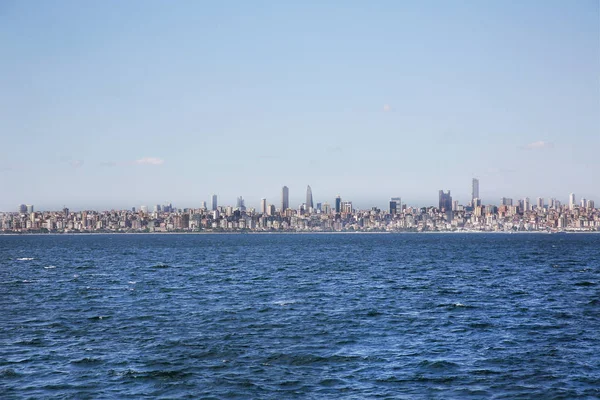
{"points": [[523, 215]]}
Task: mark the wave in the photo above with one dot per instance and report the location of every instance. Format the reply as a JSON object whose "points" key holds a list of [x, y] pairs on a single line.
{"points": [[99, 317], [50, 267], [25, 259], [284, 302], [87, 361], [8, 373], [438, 364], [154, 374], [585, 283]]}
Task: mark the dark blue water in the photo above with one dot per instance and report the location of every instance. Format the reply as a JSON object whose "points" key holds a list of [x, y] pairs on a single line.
{"points": [[300, 316]]}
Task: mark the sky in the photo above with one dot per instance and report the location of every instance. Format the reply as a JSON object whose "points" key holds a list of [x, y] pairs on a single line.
{"points": [[120, 104]]}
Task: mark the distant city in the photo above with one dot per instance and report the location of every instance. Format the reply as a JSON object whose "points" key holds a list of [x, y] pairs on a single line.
{"points": [[509, 216]]}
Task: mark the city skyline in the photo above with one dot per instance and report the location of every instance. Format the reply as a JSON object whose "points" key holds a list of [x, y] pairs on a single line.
{"points": [[520, 216], [445, 201], [360, 99]]}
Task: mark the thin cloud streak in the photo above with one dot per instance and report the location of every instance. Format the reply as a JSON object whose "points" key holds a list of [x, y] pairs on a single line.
{"points": [[150, 161], [141, 161], [540, 144]]}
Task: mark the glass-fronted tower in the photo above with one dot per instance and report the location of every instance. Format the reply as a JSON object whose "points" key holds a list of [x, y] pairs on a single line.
{"points": [[474, 190], [285, 198], [309, 198]]}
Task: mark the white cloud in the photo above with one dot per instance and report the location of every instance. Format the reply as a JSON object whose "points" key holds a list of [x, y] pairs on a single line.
{"points": [[540, 144], [387, 108], [149, 161]]}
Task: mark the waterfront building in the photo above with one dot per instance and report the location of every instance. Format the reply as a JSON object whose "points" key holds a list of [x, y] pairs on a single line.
{"points": [[338, 204], [214, 202]]}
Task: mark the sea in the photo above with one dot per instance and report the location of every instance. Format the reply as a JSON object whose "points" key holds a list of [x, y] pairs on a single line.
{"points": [[300, 316]]}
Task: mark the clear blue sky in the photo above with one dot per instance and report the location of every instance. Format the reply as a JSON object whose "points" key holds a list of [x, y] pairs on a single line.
{"points": [[112, 104]]}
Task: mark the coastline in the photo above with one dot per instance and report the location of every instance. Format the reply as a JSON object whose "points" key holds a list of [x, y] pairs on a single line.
{"points": [[300, 233]]}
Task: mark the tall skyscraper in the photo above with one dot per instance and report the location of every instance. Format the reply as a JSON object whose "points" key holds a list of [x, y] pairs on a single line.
{"points": [[22, 208], [395, 205], [240, 204], [263, 206], [214, 202], [285, 198], [445, 201], [309, 198], [474, 190], [29, 208], [540, 203], [571, 201], [590, 205], [338, 204]]}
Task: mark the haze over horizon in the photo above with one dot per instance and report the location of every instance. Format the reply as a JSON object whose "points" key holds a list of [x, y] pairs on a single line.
{"points": [[113, 105]]}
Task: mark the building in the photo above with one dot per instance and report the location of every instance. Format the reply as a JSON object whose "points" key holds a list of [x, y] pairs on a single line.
{"points": [[214, 202], [590, 205], [572, 201], [285, 198], [445, 201], [338, 204], [540, 203], [22, 208], [395, 205], [309, 199], [506, 201], [29, 208], [474, 190], [240, 204], [263, 206]]}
